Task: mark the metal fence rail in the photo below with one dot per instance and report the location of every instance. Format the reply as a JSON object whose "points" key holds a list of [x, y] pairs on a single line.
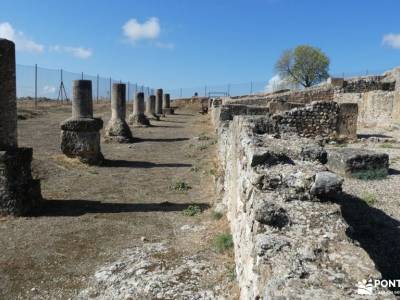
{"points": [[38, 83]]}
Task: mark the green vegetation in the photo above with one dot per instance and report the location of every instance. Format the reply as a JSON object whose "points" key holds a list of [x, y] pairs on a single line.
{"points": [[203, 137], [192, 210], [180, 186], [375, 174], [304, 65], [216, 215], [340, 145], [194, 169], [223, 242], [369, 199], [231, 272], [386, 145], [203, 147]]}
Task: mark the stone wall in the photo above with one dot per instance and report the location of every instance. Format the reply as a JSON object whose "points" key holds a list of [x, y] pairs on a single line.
{"points": [[290, 241], [376, 108], [320, 119], [378, 97]]}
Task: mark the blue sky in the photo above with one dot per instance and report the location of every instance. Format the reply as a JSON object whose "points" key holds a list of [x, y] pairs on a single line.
{"points": [[191, 43]]}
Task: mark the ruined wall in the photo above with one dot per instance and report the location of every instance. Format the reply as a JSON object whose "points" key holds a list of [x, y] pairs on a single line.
{"points": [[376, 108], [378, 97], [316, 119], [290, 240], [320, 119]]}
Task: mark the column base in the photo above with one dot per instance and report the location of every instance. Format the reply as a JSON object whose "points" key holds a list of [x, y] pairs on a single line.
{"points": [[80, 138], [118, 131], [139, 120], [20, 194]]}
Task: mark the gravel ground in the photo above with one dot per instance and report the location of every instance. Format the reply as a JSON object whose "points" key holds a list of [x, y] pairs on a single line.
{"points": [[106, 220]]}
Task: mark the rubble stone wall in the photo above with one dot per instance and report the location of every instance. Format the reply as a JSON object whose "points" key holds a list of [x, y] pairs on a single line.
{"points": [[289, 239], [319, 119]]}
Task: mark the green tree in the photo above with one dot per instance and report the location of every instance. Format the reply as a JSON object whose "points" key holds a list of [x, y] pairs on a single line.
{"points": [[303, 65]]}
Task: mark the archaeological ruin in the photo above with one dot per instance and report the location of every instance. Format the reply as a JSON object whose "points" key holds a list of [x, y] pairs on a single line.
{"points": [[20, 194], [281, 181], [117, 129], [159, 101], [167, 109], [151, 108], [283, 163], [80, 134], [138, 117]]}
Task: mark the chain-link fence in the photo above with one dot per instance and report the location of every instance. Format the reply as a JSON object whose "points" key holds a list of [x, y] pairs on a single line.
{"points": [[36, 83], [252, 87]]}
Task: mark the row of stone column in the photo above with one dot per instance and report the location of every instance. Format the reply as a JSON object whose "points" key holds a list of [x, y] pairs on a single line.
{"points": [[80, 134]]}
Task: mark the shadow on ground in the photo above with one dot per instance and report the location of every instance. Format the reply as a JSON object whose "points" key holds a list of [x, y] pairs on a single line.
{"points": [[393, 171], [377, 135], [164, 140], [161, 126], [377, 233], [73, 208], [140, 164]]}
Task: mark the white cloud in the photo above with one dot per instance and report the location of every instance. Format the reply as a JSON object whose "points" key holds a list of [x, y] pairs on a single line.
{"points": [[79, 52], [49, 89], [135, 31], [22, 42], [392, 40], [273, 84]]}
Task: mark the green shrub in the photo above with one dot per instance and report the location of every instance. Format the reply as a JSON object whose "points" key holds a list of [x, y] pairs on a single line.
{"points": [[386, 145], [203, 147], [216, 215], [372, 174], [204, 137], [231, 272], [192, 210], [369, 198], [180, 186], [223, 242], [194, 169]]}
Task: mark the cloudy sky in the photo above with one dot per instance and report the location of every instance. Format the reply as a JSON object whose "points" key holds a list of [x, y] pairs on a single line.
{"points": [[183, 43]]}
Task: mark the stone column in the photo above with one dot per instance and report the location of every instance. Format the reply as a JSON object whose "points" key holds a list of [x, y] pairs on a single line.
{"points": [[138, 117], [159, 99], [80, 135], [8, 96], [117, 129], [151, 108], [19, 193], [167, 110]]}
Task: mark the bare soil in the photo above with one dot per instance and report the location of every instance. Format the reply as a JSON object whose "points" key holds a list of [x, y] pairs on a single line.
{"points": [[91, 215]]}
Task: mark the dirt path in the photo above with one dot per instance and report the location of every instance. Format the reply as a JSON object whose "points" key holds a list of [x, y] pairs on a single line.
{"points": [[119, 231]]}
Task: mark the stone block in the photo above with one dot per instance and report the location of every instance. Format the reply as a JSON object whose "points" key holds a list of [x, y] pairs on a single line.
{"points": [[358, 163]]}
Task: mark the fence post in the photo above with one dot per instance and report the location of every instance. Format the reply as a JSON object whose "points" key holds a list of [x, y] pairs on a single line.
{"points": [[35, 86], [181, 93], [97, 89], [205, 91], [251, 87], [110, 87], [127, 100], [229, 89], [82, 75]]}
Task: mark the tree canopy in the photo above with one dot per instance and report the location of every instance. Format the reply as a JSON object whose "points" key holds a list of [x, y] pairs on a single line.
{"points": [[303, 65]]}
